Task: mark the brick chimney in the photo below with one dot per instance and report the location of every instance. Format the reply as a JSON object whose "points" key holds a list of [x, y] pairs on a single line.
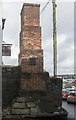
{"points": [[31, 54]]}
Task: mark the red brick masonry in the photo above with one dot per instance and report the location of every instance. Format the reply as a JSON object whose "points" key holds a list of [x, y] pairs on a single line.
{"points": [[31, 54]]}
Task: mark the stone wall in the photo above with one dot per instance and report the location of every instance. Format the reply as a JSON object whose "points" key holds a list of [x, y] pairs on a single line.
{"points": [[54, 88], [10, 84], [47, 99], [33, 81]]}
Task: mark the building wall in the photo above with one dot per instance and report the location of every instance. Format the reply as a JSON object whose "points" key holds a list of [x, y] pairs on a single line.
{"points": [[10, 84], [1, 37], [54, 88], [33, 81]]}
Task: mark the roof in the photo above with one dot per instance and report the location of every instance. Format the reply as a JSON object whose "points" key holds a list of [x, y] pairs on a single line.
{"points": [[51, 76], [6, 44]]}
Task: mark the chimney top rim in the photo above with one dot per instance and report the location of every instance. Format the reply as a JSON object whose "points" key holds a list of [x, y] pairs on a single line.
{"points": [[31, 4]]}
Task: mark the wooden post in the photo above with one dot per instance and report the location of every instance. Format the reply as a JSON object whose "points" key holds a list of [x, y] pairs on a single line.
{"points": [[54, 39]]}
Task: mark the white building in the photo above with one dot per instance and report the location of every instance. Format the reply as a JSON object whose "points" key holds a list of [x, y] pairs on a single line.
{"points": [[0, 58]]}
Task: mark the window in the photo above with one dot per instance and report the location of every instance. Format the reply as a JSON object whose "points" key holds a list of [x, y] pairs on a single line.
{"points": [[32, 61], [6, 51]]}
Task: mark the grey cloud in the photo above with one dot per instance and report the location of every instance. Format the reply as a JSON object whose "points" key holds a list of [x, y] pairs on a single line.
{"points": [[65, 17]]}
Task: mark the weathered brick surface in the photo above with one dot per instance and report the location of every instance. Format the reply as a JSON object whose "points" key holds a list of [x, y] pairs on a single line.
{"points": [[30, 38], [31, 54], [30, 15], [26, 67], [33, 81]]}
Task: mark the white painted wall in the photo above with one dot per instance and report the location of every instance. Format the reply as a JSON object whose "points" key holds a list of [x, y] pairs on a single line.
{"points": [[1, 32], [1, 37]]}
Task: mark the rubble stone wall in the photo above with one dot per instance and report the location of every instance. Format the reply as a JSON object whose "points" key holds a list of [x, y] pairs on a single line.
{"points": [[54, 88], [10, 84], [51, 91]]}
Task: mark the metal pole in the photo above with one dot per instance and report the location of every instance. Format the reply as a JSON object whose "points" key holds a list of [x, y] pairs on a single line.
{"points": [[54, 39]]}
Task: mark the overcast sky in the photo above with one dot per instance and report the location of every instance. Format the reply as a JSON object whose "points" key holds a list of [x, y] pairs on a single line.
{"points": [[65, 33]]}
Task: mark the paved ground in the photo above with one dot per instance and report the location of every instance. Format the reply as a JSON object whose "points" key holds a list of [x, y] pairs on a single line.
{"points": [[71, 108]]}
